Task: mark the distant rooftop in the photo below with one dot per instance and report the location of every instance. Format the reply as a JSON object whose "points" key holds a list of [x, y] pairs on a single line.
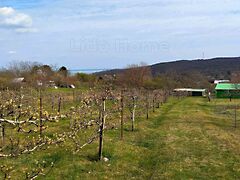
{"points": [[221, 81], [18, 80], [190, 90]]}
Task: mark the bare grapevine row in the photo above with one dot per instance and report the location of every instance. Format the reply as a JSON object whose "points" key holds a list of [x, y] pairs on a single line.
{"points": [[33, 120]]}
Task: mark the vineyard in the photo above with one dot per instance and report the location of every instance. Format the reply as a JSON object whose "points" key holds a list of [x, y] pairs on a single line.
{"points": [[34, 122], [109, 134]]}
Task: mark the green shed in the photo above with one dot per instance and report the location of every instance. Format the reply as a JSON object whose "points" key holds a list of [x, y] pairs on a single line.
{"points": [[227, 90]]}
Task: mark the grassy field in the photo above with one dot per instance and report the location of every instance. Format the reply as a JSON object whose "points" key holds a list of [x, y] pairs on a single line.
{"points": [[187, 138]]}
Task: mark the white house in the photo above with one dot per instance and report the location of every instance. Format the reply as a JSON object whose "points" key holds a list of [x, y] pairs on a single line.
{"points": [[221, 81]]}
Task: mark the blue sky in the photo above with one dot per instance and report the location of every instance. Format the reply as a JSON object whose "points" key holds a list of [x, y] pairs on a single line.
{"points": [[114, 33]]}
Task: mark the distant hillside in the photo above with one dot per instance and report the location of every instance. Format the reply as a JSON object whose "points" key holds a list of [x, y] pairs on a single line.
{"points": [[212, 68]]}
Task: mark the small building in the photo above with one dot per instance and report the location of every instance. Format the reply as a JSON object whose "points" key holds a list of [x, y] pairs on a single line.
{"points": [[191, 92], [19, 80], [72, 86], [221, 81], [227, 90]]}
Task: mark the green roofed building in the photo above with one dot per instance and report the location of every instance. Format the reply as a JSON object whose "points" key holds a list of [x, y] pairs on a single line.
{"points": [[227, 90]]}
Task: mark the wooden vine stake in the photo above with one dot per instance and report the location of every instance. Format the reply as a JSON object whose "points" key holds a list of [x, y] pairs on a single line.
{"points": [[101, 130], [235, 116], [122, 115], [20, 97], [59, 104], [2, 129], [158, 103], [133, 111], [147, 105], [153, 103], [158, 100], [52, 102], [40, 112], [164, 97], [209, 96], [73, 95]]}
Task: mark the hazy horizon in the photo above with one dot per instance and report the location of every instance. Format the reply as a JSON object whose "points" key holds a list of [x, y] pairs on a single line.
{"points": [[96, 69]]}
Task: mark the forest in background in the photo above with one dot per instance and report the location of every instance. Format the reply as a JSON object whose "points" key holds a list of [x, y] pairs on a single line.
{"points": [[178, 74]]}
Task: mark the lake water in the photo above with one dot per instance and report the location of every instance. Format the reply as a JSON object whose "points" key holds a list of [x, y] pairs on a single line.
{"points": [[87, 71]]}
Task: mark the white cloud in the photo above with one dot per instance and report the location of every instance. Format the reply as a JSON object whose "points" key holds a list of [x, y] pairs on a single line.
{"points": [[12, 52], [26, 30], [7, 11], [19, 20], [11, 19]]}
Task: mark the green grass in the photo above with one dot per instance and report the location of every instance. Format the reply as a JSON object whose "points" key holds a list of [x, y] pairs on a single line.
{"points": [[188, 138]]}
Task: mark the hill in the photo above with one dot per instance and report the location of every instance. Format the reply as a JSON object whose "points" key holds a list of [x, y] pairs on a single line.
{"points": [[220, 67]]}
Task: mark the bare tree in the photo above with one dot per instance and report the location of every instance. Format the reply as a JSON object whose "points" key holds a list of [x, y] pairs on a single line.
{"points": [[21, 68], [235, 77], [135, 75]]}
